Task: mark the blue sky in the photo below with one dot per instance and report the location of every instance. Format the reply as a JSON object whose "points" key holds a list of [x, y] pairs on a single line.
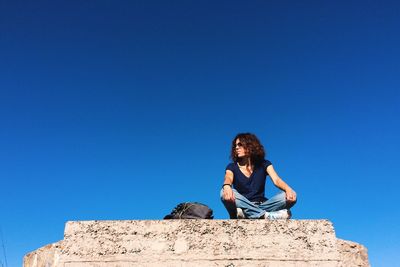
{"points": [[119, 110]]}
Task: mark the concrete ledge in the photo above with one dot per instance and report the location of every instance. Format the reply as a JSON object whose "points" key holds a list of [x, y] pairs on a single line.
{"points": [[199, 243]]}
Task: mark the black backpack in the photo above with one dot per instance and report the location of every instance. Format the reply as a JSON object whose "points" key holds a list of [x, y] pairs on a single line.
{"points": [[191, 210]]}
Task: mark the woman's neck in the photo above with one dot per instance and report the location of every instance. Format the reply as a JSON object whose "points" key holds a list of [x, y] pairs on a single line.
{"points": [[244, 161]]}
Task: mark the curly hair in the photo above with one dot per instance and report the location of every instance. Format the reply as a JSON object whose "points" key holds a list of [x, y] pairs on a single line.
{"points": [[253, 146]]}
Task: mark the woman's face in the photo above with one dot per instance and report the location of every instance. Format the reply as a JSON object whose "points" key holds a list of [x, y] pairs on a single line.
{"points": [[239, 149]]}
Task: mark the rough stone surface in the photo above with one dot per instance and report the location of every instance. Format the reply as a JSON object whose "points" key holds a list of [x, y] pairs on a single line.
{"points": [[352, 254], [284, 243]]}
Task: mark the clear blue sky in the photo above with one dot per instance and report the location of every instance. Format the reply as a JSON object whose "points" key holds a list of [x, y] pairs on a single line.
{"points": [[119, 110]]}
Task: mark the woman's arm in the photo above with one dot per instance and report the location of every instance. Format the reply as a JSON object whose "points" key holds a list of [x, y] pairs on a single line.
{"points": [[278, 182], [227, 187]]}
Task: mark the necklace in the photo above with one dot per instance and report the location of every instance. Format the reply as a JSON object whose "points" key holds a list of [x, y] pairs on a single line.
{"points": [[240, 166], [245, 166]]}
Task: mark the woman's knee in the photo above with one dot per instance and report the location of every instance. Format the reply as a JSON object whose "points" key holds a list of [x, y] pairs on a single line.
{"points": [[290, 204], [281, 196]]}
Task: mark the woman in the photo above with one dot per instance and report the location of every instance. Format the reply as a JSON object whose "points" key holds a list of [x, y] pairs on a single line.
{"points": [[244, 183]]}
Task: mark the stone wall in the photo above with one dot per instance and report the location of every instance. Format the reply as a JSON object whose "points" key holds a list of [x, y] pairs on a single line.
{"points": [[231, 243]]}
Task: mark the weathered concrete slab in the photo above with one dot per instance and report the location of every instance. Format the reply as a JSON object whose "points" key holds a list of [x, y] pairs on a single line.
{"points": [[281, 243]]}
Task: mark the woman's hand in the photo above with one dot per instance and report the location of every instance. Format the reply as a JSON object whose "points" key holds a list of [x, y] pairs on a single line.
{"points": [[291, 195], [228, 194]]}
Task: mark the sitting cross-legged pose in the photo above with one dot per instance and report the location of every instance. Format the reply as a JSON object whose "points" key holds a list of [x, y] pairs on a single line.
{"points": [[243, 192]]}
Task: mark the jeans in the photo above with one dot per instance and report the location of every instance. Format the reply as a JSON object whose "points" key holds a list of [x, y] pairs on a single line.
{"points": [[253, 210]]}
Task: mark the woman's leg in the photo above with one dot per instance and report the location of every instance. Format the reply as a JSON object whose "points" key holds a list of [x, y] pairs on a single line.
{"points": [[250, 210], [278, 202], [229, 206]]}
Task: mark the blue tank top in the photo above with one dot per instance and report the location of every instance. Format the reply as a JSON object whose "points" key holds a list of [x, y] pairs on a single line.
{"points": [[253, 187]]}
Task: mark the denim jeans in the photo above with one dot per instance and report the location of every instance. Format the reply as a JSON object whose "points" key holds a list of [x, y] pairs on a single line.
{"points": [[252, 210]]}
